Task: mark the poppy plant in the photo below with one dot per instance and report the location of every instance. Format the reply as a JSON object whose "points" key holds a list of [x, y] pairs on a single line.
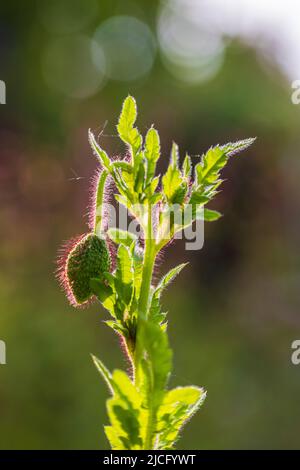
{"points": [[116, 267]]}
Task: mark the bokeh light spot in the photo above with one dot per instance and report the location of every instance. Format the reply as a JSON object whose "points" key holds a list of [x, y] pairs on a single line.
{"points": [[68, 66], [129, 47], [192, 53]]}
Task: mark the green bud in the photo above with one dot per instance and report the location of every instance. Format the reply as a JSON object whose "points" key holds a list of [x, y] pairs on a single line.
{"points": [[88, 259]]}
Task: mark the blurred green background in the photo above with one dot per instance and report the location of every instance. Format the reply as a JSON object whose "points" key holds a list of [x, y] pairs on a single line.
{"points": [[204, 73]]}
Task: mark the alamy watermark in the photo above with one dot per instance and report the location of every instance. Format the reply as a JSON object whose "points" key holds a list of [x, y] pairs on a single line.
{"points": [[2, 92], [295, 357], [175, 222], [2, 352], [295, 96]]}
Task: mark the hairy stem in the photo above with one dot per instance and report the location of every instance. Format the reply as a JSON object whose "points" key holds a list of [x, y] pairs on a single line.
{"points": [[143, 307], [149, 259], [99, 202]]}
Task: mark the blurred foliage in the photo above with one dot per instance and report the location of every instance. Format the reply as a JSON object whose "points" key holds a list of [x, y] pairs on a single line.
{"points": [[237, 304]]}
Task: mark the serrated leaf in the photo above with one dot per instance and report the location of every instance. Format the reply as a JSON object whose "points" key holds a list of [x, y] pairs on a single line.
{"points": [[152, 152], [127, 132], [213, 161], [208, 170], [174, 187], [173, 182], [155, 313], [232, 148], [125, 413], [207, 176], [177, 407], [170, 276], [124, 420], [113, 439]]}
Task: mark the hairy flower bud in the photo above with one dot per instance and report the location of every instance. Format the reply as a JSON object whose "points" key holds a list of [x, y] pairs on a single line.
{"points": [[88, 258]]}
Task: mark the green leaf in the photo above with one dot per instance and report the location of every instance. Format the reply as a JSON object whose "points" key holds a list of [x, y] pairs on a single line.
{"points": [[124, 275], [174, 184], [213, 161], [152, 372], [125, 166], [232, 148], [207, 176], [155, 314], [174, 155], [187, 167], [118, 327], [127, 132], [208, 170], [124, 201], [119, 236], [170, 276], [125, 424], [137, 260], [177, 407], [139, 178], [125, 414], [152, 151], [105, 294], [154, 183], [127, 117], [125, 388], [211, 215], [174, 187], [198, 197], [121, 183], [113, 439], [99, 152], [104, 372], [152, 145], [124, 265]]}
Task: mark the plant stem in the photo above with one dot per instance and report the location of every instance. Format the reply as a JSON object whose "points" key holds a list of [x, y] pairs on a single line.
{"points": [[148, 265], [143, 307], [143, 313], [98, 222]]}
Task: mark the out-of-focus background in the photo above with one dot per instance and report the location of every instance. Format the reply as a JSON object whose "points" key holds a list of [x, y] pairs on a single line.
{"points": [[204, 72]]}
